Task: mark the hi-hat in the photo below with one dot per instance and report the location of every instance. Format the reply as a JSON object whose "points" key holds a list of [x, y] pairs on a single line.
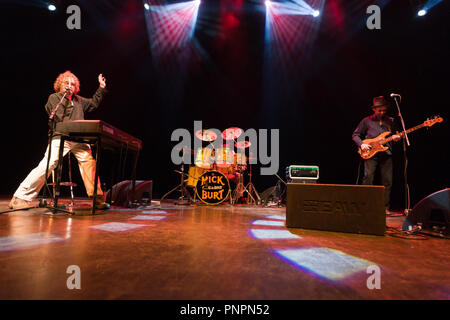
{"points": [[243, 144], [231, 133], [206, 135]]}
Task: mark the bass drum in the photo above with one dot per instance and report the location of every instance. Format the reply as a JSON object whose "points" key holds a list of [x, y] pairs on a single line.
{"points": [[212, 187]]}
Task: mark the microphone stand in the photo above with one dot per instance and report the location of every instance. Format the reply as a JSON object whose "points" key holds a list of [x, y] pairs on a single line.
{"points": [[52, 127], [43, 202], [405, 172]]}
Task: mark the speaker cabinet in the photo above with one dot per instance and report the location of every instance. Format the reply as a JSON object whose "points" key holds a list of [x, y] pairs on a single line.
{"points": [[122, 193], [331, 207], [433, 212]]}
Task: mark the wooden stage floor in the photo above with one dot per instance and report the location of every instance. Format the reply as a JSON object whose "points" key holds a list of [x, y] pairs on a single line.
{"points": [[199, 252]]}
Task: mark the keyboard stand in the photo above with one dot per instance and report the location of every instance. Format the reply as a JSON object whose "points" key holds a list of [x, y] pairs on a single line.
{"points": [[91, 139]]}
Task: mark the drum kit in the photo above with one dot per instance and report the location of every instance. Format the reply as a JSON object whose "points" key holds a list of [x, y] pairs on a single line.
{"points": [[214, 167]]}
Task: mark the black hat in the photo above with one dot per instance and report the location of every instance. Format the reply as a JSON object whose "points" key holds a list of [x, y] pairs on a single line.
{"points": [[379, 102]]}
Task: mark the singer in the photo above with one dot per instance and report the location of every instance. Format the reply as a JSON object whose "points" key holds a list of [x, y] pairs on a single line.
{"points": [[72, 107], [371, 127]]}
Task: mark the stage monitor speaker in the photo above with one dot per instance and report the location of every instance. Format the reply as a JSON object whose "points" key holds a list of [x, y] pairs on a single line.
{"points": [[432, 212], [341, 208], [122, 193]]}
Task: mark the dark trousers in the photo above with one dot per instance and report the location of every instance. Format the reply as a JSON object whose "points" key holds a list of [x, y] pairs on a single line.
{"points": [[384, 162]]}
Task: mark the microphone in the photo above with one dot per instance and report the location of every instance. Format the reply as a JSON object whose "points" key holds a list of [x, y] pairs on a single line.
{"points": [[395, 95]]}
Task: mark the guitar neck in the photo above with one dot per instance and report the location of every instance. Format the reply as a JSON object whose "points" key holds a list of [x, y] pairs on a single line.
{"points": [[407, 131]]}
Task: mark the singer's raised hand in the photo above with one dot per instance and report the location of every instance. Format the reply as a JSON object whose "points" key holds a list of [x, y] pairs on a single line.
{"points": [[102, 80]]}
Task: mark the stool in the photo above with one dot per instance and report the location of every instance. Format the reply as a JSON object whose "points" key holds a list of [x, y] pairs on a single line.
{"points": [[65, 184]]}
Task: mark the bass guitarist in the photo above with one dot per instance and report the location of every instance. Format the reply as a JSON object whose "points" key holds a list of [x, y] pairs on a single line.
{"points": [[371, 127]]}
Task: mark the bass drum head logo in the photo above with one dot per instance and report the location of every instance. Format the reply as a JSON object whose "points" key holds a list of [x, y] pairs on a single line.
{"points": [[212, 187]]}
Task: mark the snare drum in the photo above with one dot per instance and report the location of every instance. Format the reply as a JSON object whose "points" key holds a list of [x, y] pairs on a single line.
{"points": [[229, 172], [194, 174], [224, 158], [204, 158]]}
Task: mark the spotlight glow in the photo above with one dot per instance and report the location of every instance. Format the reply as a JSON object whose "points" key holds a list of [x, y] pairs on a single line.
{"points": [[422, 12], [171, 27], [51, 7], [146, 6], [316, 13], [267, 3]]}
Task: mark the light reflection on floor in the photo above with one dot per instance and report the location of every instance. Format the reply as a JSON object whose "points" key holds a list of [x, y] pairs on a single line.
{"points": [[26, 241], [266, 234], [117, 226], [325, 262], [148, 217], [268, 223]]}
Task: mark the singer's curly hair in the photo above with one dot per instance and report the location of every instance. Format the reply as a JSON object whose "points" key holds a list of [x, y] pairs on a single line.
{"points": [[59, 81]]}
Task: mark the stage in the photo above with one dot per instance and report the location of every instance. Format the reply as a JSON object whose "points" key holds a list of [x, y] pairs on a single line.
{"points": [[200, 252]]}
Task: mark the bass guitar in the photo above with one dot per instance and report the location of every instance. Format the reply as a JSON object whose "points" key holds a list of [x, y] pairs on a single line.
{"points": [[377, 144]]}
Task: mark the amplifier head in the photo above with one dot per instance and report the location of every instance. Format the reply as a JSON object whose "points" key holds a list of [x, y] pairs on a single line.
{"points": [[302, 174]]}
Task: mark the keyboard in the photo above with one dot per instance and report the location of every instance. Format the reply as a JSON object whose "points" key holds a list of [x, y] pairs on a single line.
{"points": [[109, 135]]}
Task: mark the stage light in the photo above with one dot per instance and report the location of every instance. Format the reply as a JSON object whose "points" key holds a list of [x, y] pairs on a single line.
{"points": [[422, 12], [316, 13], [267, 3], [51, 7], [146, 6]]}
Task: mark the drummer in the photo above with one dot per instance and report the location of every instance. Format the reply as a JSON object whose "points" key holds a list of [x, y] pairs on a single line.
{"points": [[231, 171]]}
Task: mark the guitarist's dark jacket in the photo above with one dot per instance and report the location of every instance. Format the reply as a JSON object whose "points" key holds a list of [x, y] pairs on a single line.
{"points": [[370, 127]]}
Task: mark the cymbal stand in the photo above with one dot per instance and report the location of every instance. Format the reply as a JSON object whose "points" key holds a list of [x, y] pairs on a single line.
{"points": [[252, 190], [238, 192], [181, 188]]}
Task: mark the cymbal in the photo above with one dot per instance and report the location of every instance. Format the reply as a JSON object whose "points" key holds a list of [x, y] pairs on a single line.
{"points": [[231, 133], [243, 144], [206, 135]]}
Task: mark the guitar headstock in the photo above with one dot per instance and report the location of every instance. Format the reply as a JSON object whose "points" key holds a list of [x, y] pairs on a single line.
{"points": [[432, 121]]}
